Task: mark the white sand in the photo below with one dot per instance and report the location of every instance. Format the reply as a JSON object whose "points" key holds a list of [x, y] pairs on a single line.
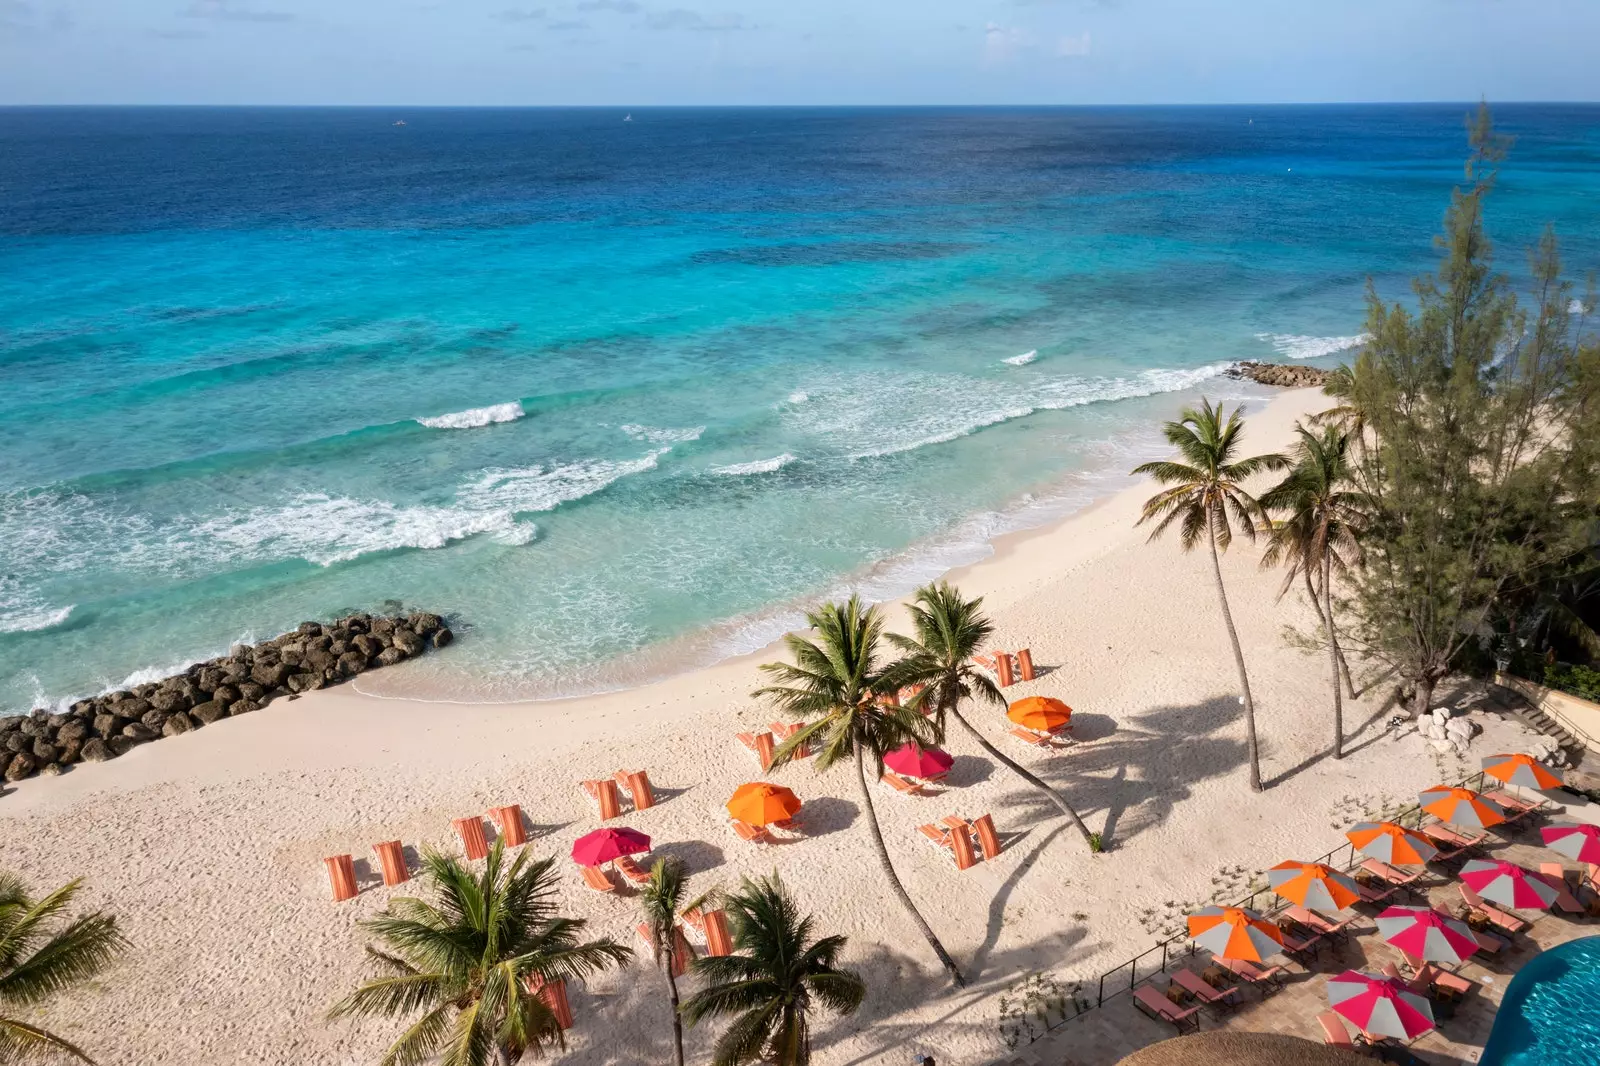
{"points": [[208, 846]]}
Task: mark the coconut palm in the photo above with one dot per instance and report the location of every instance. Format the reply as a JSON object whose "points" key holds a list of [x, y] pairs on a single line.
{"points": [[949, 632], [459, 968], [837, 680], [660, 900], [43, 954], [1318, 537], [769, 985], [1207, 499]]}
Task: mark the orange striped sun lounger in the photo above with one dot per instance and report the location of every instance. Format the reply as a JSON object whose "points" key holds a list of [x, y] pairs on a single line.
{"points": [[1025, 664], [552, 994], [1556, 877], [939, 837], [783, 731], [683, 952], [1156, 1005], [473, 841], [392, 859], [900, 784], [1316, 922], [1028, 736], [988, 839], [1267, 979], [759, 745], [598, 879], [711, 929], [342, 875], [752, 834], [1196, 986], [1516, 807], [1384, 872], [631, 870], [604, 797], [957, 837], [1499, 918], [637, 782], [509, 819]]}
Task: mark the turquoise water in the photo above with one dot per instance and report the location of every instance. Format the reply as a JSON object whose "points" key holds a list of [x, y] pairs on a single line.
{"points": [[1550, 1015], [616, 397]]}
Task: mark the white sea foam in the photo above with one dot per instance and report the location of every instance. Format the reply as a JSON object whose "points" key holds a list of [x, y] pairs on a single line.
{"points": [[1576, 307], [1022, 360], [517, 490], [663, 436], [518, 535], [759, 466], [1296, 346], [478, 416], [798, 397], [30, 617]]}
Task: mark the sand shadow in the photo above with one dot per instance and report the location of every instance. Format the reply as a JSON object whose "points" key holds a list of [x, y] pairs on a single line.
{"points": [[968, 770], [1087, 728], [366, 876], [697, 856], [828, 814]]}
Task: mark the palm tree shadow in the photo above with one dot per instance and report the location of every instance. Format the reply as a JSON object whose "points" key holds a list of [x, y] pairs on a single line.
{"points": [[997, 903], [697, 856], [828, 814], [969, 770]]}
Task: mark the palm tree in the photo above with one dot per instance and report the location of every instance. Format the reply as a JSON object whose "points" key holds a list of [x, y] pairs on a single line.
{"points": [[838, 681], [769, 985], [1207, 498], [460, 966], [41, 955], [660, 900], [1318, 538], [949, 632]]}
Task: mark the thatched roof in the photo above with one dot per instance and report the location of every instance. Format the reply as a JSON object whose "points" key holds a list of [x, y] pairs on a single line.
{"points": [[1224, 1048]]}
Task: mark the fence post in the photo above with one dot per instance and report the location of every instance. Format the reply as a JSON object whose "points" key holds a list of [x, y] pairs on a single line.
{"points": [[1100, 997], [1163, 956]]}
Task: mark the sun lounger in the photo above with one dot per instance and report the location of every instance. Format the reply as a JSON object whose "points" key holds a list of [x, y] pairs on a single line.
{"points": [[1516, 807], [957, 839], [1297, 948], [1268, 979], [1427, 978], [632, 870], [1004, 676], [1156, 1005], [1038, 740], [598, 879], [1499, 918], [900, 784], [759, 745], [1556, 877], [988, 839], [1195, 985], [637, 782], [509, 819], [782, 732], [392, 860], [342, 875], [985, 660], [710, 928], [939, 836], [750, 834], [1334, 1034], [1451, 843], [683, 953], [1025, 665], [604, 797], [961, 848], [473, 842], [552, 994], [1374, 893], [788, 825], [1384, 872], [1317, 923]]}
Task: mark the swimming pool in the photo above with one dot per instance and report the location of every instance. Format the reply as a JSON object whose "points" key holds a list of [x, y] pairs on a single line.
{"points": [[1551, 1012]]}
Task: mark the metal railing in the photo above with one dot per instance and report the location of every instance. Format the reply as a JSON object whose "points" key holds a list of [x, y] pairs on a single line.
{"points": [[1124, 978]]}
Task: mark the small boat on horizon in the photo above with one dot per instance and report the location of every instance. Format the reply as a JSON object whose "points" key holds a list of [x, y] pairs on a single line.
{"points": [[400, 122], [627, 118]]}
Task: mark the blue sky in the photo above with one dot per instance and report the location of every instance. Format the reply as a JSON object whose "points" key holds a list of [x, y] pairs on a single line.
{"points": [[637, 52]]}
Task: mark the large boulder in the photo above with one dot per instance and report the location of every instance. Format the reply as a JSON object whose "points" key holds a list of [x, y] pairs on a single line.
{"points": [[442, 637], [108, 724], [352, 663], [225, 693], [380, 625], [243, 707], [77, 729], [171, 699], [133, 708], [138, 731], [391, 656], [154, 717], [70, 750], [269, 676], [408, 642], [310, 629], [210, 677], [97, 750], [120, 745], [178, 723], [45, 751], [209, 712], [22, 764], [422, 623], [19, 742], [250, 690], [366, 645]]}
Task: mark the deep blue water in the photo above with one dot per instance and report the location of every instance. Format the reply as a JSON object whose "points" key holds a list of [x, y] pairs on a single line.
{"points": [[1550, 1015], [692, 368]]}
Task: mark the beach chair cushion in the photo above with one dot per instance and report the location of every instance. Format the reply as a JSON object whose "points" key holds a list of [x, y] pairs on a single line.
{"points": [[750, 833], [631, 870], [1334, 1034], [598, 879], [1154, 1003], [900, 784], [988, 839]]}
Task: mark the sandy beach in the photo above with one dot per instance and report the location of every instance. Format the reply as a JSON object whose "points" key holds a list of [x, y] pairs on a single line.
{"points": [[208, 846]]}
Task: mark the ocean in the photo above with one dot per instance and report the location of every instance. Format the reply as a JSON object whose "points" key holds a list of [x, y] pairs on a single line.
{"points": [[618, 393]]}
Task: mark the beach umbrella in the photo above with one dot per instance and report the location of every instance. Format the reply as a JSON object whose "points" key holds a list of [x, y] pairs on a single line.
{"points": [[1507, 884], [1381, 1006], [1461, 806], [1391, 843], [759, 803], [605, 845], [1524, 771], [1314, 885], [913, 760], [1580, 843], [1040, 712], [1424, 933], [1235, 933]]}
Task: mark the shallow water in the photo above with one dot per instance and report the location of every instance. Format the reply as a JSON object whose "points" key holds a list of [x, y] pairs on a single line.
{"points": [[591, 388]]}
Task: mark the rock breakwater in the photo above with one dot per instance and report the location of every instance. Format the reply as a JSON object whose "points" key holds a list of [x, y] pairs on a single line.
{"points": [[1283, 375], [249, 677]]}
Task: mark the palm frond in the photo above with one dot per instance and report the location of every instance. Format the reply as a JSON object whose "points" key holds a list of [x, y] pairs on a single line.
{"points": [[78, 952], [21, 1043]]}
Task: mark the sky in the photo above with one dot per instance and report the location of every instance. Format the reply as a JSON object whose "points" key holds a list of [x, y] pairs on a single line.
{"points": [[663, 52]]}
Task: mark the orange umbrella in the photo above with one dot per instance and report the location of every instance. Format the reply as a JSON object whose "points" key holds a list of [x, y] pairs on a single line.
{"points": [[1235, 933], [1040, 712], [1314, 885], [759, 803], [1461, 806], [1522, 770], [1391, 843]]}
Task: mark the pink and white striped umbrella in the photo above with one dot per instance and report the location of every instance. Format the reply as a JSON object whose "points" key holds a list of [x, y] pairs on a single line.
{"points": [[1381, 1006], [1424, 933], [1580, 843], [1507, 884]]}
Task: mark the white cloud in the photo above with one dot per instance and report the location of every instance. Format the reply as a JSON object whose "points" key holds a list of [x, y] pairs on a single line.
{"points": [[1001, 43], [1073, 46]]}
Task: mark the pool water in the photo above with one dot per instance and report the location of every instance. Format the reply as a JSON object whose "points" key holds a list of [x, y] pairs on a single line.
{"points": [[1551, 1012]]}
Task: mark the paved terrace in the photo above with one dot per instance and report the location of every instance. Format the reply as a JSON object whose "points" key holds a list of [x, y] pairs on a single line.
{"points": [[1102, 1036]]}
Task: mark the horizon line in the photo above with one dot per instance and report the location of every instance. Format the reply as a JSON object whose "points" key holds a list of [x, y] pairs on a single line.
{"points": [[796, 106]]}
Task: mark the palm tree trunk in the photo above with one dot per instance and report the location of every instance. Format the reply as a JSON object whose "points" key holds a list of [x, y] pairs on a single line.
{"points": [[672, 992], [894, 879], [1344, 671], [1344, 667], [1238, 658], [1325, 608], [1017, 768]]}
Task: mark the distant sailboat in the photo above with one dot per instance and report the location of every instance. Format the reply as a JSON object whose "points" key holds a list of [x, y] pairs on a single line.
{"points": [[627, 118], [401, 122]]}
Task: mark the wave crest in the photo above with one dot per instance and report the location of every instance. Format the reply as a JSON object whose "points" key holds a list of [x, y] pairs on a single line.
{"points": [[477, 416], [1022, 360], [759, 466], [1298, 346]]}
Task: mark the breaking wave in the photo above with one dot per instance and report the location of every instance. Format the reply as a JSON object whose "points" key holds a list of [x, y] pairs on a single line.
{"points": [[1295, 346], [1022, 360], [759, 466], [478, 416]]}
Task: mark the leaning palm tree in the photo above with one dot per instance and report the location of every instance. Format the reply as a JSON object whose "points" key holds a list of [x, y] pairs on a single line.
{"points": [[769, 985], [949, 632], [838, 681], [460, 968], [1318, 537], [1206, 499], [43, 954], [660, 900]]}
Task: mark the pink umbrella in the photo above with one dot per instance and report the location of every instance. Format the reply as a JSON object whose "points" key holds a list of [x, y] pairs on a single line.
{"points": [[1580, 843], [1424, 933], [1507, 884], [913, 760], [1380, 1005], [604, 845]]}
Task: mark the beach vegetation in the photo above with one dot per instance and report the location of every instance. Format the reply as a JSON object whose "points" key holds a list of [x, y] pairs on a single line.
{"points": [[45, 953], [1206, 500], [464, 969], [779, 973], [1482, 416], [660, 899], [839, 681], [948, 631]]}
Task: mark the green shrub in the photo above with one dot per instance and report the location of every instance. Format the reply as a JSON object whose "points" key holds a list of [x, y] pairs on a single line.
{"points": [[1580, 681]]}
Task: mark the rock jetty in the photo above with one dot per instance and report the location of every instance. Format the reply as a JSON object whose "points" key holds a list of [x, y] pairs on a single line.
{"points": [[1283, 375], [249, 677]]}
